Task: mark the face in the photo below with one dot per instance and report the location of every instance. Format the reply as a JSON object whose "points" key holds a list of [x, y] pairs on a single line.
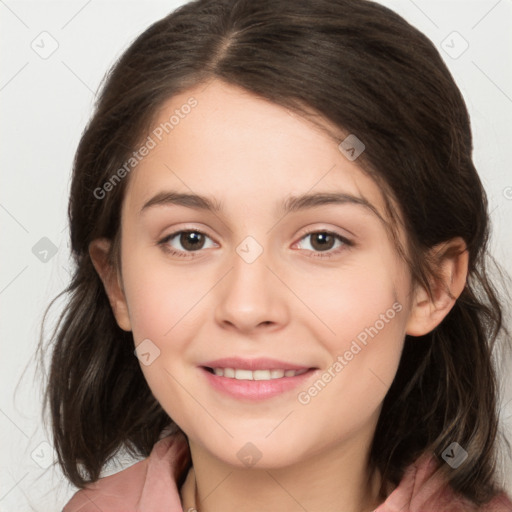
{"points": [[317, 285]]}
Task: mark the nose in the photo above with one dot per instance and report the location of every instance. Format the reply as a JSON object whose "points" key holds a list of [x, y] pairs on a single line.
{"points": [[251, 297]]}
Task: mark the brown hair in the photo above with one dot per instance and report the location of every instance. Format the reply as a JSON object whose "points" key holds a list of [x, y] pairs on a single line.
{"points": [[366, 70]]}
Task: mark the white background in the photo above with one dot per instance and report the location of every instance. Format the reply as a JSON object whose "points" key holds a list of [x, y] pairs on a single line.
{"points": [[45, 104]]}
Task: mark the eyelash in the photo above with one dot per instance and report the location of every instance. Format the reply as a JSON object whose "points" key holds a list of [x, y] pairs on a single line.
{"points": [[317, 254]]}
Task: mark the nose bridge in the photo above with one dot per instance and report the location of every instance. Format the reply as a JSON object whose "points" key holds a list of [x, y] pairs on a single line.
{"points": [[250, 294]]}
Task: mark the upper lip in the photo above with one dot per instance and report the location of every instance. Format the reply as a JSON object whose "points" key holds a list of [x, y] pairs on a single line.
{"points": [[262, 363]]}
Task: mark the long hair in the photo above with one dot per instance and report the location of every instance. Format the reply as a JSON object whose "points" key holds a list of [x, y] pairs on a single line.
{"points": [[366, 70]]}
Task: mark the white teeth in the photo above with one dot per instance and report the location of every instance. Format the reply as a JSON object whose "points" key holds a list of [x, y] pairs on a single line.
{"points": [[239, 374], [243, 375]]}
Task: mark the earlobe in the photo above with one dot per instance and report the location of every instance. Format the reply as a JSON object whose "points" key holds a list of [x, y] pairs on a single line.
{"points": [[427, 312], [99, 251]]}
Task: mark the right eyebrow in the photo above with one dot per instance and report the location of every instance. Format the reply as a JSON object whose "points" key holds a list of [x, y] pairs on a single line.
{"points": [[195, 201]]}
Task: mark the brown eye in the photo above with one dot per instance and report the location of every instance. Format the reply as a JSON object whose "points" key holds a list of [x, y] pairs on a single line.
{"points": [[183, 242], [191, 240], [324, 242]]}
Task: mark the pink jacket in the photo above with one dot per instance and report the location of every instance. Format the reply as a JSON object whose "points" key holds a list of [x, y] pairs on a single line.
{"points": [[150, 486]]}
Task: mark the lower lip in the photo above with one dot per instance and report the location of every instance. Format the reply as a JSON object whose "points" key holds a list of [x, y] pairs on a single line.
{"points": [[255, 390]]}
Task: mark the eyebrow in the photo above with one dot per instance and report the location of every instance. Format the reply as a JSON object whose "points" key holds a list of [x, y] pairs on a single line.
{"points": [[291, 204]]}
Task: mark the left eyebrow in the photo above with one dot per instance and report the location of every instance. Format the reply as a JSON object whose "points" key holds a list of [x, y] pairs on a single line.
{"points": [[291, 204], [306, 201]]}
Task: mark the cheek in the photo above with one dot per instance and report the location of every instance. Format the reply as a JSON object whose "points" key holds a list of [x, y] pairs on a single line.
{"points": [[159, 297], [357, 296], [364, 357], [163, 308], [365, 311]]}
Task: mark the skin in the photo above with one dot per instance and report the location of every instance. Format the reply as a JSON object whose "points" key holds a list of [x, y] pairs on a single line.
{"points": [[251, 155]]}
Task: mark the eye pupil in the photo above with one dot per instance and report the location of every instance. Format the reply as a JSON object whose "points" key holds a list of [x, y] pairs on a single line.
{"points": [[325, 241]]}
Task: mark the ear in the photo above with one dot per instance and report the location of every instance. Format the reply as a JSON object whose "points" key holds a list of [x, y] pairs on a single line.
{"points": [[99, 251], [451, 261]]}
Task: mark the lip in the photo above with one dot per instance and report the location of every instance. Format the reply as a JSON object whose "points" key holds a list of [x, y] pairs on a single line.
{"points": [[256, 390], [261, 363]]}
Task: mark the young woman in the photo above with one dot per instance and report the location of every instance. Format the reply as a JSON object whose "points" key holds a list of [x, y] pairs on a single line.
{"points": [[280, 298]]}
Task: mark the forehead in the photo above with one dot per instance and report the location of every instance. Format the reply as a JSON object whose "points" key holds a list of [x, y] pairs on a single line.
{"points": [[243, 150]]}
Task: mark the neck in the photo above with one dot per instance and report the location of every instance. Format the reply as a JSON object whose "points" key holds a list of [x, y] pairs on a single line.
{"points": [[340, 479]]}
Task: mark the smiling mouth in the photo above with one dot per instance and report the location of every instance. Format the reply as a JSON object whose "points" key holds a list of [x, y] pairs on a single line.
{"points": [[243, 374]]}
